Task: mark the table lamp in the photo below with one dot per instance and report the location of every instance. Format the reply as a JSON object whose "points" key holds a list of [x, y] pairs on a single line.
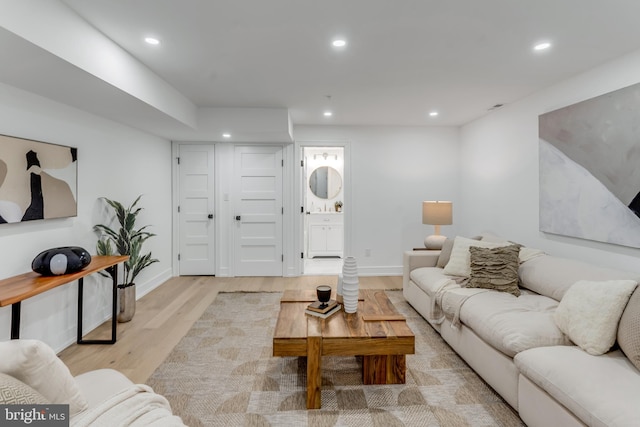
{"points": [[436, 213]]}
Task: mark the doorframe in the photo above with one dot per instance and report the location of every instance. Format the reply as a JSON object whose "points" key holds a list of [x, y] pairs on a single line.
{"points": [[347, 212]]}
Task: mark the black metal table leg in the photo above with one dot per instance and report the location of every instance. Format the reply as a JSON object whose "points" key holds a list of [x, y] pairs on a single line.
{"points": [[80, 308], [114, 273], [15, 320], [114, 302]]}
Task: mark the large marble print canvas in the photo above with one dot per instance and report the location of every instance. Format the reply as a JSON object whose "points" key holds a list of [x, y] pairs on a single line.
{"points": [[590, 169], [37, 180]]}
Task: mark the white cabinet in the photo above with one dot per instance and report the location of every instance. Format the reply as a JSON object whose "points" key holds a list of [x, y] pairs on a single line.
{"points": [[326, 235]]}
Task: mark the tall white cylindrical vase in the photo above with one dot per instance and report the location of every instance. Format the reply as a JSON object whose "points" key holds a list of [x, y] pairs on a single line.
{"points": [[350, 284]]}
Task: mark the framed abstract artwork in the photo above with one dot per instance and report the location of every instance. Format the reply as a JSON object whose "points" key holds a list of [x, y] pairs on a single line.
{"points": [[589, 169], [38, 180]]}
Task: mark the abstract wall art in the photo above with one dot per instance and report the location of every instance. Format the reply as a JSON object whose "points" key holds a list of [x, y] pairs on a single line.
{"points": [[38, 180], [590, 169]]}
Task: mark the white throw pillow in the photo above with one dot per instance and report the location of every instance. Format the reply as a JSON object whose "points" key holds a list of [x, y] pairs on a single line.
{"points": [[36, 364], [460, 261], [590, 311]]}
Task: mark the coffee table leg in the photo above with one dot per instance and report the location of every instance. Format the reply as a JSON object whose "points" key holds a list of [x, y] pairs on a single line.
{"points": [[387, 369], [314, 372], [314, 368]]}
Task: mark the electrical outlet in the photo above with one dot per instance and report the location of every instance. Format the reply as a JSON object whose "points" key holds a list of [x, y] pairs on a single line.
{"points": [[367, 252]]}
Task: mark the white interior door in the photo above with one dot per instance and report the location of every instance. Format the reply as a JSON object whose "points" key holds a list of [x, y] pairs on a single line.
{"points": [[258, 211], [196, 210]]}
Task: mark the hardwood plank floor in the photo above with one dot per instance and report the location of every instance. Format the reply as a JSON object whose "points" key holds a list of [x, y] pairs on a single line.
{"points": [[164, 316]]}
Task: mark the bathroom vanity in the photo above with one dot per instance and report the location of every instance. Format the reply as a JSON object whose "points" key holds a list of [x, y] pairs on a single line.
{"points": [[326, 234]]}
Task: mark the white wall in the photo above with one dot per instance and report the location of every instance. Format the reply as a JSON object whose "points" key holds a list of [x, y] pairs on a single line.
{"points": [[113, 161], [499, 166], [393, 169]]}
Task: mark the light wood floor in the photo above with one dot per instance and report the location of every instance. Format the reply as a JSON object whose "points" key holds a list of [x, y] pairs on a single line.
{"points": [[164, 316]]}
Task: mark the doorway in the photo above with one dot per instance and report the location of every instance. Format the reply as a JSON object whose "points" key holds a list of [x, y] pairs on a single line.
{"points": [[323, 196]]}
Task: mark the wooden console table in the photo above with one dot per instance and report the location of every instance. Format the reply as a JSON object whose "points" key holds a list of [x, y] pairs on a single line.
{"points": [[16, 289]]}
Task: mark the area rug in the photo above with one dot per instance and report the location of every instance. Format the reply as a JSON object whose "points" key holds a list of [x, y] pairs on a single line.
{"points": [[222, 373]]}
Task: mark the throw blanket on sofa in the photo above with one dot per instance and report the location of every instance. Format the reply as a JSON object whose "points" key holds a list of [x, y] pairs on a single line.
{"points": [[436, 315], [137, 405], [452, 300]]}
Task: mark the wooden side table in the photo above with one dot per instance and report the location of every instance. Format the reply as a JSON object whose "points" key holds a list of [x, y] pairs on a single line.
{"points": [[16, 289]]}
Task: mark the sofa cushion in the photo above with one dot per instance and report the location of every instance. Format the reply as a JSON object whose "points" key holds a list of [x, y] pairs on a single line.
{"points": [[629, 329], [36, 364], [552, 276], [600, 390], [459, 262], [495, 268], [100, 384], [445, 253], [525, 253], [590, 311], [431, 279], [512, 324], [15, 392]]}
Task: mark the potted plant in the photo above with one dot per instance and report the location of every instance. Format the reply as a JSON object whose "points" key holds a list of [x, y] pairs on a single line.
{"points": [[127, 240]]}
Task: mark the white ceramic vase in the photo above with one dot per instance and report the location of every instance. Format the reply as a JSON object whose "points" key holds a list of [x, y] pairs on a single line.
{"points": [[339, 290], [350, 285]]}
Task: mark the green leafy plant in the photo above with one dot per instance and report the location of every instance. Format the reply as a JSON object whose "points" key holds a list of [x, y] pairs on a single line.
{"points": [[127, 240]]}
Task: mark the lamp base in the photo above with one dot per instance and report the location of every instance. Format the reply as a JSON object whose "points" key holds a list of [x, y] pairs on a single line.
{"points": [[434, 241]]}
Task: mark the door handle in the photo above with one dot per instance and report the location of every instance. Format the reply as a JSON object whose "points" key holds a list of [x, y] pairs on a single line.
{"points": [[237, 217], [210, 216]]}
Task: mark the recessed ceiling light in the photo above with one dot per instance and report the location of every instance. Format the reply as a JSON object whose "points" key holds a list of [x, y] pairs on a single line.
{"points": [[433, 113], [328, 114], [152, 40], [226, 135], [542, 46], [339, 43]]}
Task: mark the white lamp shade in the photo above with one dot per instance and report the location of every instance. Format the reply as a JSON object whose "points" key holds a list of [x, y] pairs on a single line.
{"points": [[437, 213]]}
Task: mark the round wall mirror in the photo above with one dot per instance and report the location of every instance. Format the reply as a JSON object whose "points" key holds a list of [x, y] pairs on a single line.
{"points": [[325, 182]]}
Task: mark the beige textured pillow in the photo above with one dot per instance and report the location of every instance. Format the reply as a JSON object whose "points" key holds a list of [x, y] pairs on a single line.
{"points": [[590, 311], [36, 364], [15, 392], [495, 268], [629, 329], [459, 262]]}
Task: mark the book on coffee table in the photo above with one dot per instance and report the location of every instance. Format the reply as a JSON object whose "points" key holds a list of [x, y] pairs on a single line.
{"points": [[336, 308], [317, 306]]}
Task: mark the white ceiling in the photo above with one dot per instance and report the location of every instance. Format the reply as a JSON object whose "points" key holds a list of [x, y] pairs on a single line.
{"points": [[404, 58]]}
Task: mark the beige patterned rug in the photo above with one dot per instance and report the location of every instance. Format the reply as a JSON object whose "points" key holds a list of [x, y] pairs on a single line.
{"points": [[222, 374]]}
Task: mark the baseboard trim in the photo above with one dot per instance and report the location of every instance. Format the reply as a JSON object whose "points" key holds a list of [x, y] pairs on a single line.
{"points": [[380, 270]]}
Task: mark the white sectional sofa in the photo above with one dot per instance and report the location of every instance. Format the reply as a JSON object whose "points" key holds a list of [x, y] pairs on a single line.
{"points": [[516, 345]]}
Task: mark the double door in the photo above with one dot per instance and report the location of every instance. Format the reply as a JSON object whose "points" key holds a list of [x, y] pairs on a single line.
{"points": [[250, 229]]}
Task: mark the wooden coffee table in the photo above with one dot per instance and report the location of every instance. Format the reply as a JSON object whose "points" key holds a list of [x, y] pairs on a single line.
{"points": [[377, 332]]}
